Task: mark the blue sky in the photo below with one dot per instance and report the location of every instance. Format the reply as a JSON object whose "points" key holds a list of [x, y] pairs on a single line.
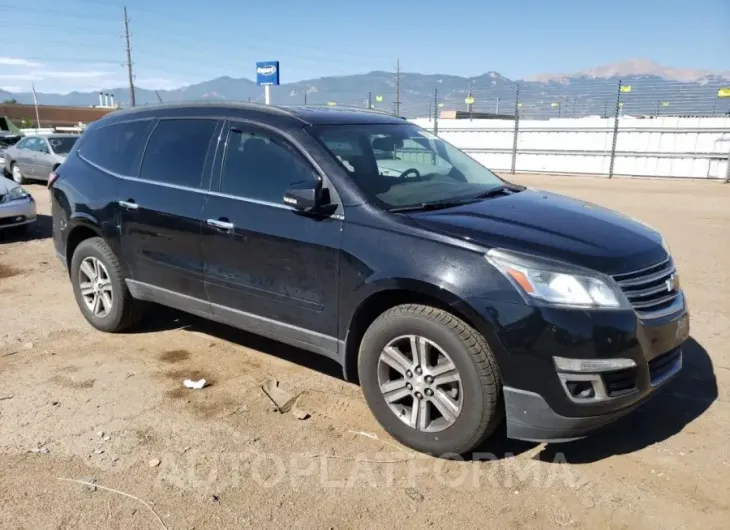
{"points": [[77, 44]]}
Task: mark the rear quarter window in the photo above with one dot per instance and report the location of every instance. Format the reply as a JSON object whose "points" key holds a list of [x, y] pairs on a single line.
{"points": [[117, 147]]}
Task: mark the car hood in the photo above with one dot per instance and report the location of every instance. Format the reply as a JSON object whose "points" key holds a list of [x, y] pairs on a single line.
{"points": [[554, 226]]}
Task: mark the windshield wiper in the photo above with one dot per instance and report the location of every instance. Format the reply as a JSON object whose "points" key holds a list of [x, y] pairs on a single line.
{"points": [[505, 189], [437, 205]]}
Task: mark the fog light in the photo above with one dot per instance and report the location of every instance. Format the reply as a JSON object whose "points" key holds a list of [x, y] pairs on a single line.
{"points": [[580, 389]]}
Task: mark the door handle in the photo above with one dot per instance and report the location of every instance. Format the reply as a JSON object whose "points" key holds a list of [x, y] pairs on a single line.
{"points": [[222, 224], [129, 205]]}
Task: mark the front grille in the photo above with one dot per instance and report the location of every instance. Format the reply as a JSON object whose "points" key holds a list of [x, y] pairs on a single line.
{"points": [[12, 220], [664, 365], [651, 291], [620, 382]]}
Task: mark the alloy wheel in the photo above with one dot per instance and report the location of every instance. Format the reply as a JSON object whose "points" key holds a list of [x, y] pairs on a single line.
{"points": [[96, 286], [420, 383]]}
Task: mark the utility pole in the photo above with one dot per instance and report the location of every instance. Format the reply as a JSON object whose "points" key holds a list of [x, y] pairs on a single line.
{"points": [[370, 100], [468, 106], [129, 59], [305, 99], [397, 88], [436, 111]]}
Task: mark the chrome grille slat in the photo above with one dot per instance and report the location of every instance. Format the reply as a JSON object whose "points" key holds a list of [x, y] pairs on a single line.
{"points": [[642, 280], [618, 277], [655, 302], [648, 291]]}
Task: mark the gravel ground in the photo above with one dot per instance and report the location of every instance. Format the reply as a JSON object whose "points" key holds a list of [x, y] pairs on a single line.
{"points": [[111, 410]]}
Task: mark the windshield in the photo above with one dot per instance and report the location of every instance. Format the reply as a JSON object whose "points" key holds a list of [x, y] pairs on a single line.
{"points": [[8, 141], [62, 146], [401, 165]]}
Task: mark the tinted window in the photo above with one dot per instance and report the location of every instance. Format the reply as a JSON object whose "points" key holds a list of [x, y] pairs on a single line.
{"points": [[32, 144], [23, 144], [62, 145], [259, 167], [117, 147], [41, 146], [176, 152]]}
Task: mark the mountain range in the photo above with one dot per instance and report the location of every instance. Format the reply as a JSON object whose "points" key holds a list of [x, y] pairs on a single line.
{"points": [[653, 89]]}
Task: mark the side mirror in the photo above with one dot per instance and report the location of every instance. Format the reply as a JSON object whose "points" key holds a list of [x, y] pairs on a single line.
{"points": [[304, 196]]}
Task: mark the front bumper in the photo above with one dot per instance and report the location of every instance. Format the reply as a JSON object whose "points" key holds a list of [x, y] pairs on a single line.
{"points": [[538, 399], [17, 213]]}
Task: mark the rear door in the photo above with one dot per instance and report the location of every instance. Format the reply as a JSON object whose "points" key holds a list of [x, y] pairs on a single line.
{"points": [[161, 212], [270, 269]]}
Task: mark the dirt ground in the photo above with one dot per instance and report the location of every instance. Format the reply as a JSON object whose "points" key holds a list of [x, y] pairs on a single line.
{"points": [[77, 404]]}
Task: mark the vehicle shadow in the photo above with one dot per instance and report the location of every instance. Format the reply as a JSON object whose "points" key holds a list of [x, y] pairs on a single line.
{"points": [[166, 319], [41, 229], [673, 407]]}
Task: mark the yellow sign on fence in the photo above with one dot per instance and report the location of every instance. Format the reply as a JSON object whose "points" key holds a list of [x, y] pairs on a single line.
{"points": [[379, 99], [626, 88], [331, 103], [469, 100], [724, 92]]}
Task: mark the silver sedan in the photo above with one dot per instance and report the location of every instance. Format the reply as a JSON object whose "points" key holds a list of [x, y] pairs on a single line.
{"points": [[36, 156], [17, 207]]}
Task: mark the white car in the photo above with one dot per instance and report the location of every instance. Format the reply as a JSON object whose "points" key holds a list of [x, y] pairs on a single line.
{"points": [[17, 207]]}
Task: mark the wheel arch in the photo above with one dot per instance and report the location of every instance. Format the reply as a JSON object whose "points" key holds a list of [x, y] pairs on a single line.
{"points": [[80, 229], [385, 295]]}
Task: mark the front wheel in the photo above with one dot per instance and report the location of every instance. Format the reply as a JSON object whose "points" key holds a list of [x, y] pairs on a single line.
{"points": [[430, 380], [100, 289]]}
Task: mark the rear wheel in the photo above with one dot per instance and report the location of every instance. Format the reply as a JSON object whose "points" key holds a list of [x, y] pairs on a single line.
{"points": [[17, 174], [430, 379], [99, 287]]}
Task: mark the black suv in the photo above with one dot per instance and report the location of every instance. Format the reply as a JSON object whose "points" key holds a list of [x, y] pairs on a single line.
{"points": [[454, 297]]}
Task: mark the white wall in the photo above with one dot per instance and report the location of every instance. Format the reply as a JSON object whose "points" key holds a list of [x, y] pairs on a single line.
{"points": [[663, 147]]}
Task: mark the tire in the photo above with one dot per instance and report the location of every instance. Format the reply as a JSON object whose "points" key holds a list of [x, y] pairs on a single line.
{"points": [[480, 387], [17, 174], [125, 311]]}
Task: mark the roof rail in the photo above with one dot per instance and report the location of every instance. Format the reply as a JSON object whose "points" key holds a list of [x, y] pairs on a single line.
{"points": [[274, 109], [346, 107]]}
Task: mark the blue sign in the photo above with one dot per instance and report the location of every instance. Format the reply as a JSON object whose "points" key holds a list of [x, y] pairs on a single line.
{"points": [[267, 73]]}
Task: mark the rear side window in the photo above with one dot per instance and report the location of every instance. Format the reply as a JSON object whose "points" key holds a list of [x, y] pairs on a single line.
{"points": [[116, 148], [176, 152]]}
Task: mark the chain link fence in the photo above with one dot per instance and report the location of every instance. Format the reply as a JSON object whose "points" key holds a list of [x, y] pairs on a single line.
{"points": [[606, 108]]}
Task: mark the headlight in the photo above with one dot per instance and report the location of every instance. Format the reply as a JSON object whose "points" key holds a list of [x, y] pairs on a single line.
{"points": [[17, 194], [549, 284]]}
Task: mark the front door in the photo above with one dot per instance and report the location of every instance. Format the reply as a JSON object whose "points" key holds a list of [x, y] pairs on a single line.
{"points": [[43, 161], [24, 159], [270, 269], [161, 213]]}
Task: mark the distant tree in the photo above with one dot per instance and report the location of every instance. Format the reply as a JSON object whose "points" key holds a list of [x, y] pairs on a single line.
{"points": [[10, 102]]}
